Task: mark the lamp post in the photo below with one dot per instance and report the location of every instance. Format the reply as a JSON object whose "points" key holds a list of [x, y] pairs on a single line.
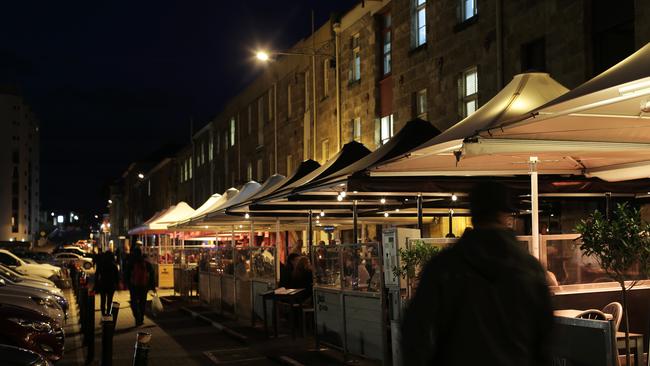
{"points": [[267, 56]]}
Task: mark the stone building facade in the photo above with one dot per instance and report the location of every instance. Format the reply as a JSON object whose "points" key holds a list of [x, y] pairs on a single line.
{"points": [[438, 60], [19, 169]]}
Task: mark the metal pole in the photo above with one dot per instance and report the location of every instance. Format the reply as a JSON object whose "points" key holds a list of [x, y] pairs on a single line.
{"points": [[275, 127], [534, 195], [337, 63], [90, 318], [277, 251], [115, 311], [313, 81], [420, 224], [310, 238], [355, 232], [141, 354]]}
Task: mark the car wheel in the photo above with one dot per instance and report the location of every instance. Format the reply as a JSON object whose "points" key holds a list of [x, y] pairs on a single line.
{"points": [[87, 265]]}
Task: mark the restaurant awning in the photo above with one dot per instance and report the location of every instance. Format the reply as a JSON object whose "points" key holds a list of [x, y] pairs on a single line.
{"points": [[161, 221]]}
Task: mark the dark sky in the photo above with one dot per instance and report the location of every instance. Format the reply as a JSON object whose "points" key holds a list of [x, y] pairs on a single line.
{"points": [[113, 81]]}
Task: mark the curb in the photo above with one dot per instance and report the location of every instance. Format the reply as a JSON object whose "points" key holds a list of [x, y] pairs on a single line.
{"points": [[240, 337]]}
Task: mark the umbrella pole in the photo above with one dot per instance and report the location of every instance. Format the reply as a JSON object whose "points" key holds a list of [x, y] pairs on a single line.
{"points": [[420, 225], [355, 233], [534, 195], [310, 234]]}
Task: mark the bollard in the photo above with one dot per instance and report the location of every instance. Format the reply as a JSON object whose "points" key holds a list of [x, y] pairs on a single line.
{"points": [[107, 340], [141, 349], [90, 328], [115, 311], [82, 302]]}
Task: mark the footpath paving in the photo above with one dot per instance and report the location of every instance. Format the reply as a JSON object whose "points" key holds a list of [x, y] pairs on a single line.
{"points": [[188, 333]]}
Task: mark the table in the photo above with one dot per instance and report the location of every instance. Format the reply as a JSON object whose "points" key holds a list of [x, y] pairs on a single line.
{"points": [[636, 344], [288, 296]]}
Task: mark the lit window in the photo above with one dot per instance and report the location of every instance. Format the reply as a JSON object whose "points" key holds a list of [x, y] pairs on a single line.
{"points": [[250, 119], [260, 121], [420, 23], [289, 165], [356, 129], [467, 9], [270, 96], [326, 77], [260, 170], [325, 149], [384, 130], [211, 147], [387, 48], [289, 109], [232, 131], [421, 104], [468, 91], [355, 64]]}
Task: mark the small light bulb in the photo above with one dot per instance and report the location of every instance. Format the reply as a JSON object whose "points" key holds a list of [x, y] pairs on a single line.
{"points": [[454, 197], [339, 198], [385, 214], [397, 210], [383, 200], [247, 216], [343, 194], [322, 213]]}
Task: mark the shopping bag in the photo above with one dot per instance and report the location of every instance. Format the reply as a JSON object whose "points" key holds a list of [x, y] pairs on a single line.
{"points": [[156, 305]]}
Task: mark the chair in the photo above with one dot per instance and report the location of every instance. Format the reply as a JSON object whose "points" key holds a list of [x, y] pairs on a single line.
{"points": [[593, 314], [616, 309]]}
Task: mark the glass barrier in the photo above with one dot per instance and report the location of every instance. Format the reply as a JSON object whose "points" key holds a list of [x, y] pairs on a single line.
{"points": [[327, 265], [242, 262], [361, 264], [263, 263]]}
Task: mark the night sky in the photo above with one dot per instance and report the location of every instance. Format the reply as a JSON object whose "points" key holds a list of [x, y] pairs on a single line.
{"points": [[113, 81]]}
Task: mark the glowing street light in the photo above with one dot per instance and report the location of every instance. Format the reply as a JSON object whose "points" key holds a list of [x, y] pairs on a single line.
{"points": [[140, 175], [110, 202], [262, 56]]}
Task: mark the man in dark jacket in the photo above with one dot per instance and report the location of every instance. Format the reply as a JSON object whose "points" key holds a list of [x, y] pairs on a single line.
{"points": [[484, 301]]}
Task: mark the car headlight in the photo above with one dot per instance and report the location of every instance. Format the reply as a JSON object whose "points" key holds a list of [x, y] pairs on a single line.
{"points": [[35, 325]]}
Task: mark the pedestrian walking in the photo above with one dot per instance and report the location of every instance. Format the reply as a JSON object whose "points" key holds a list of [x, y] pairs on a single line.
{"points": [[140, 277], [107, 278], [483, 301]]}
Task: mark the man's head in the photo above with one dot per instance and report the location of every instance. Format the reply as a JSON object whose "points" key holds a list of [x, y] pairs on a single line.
{"points": [[491, 204]]}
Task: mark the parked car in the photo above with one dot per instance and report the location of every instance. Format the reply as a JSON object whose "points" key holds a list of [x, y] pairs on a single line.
{"points": [[42, 270], [73, 249], [41, 305], [36, 290], [64, 258], [39, 296], [16, 356], [39, 257], [28, 329], [10, 272]]}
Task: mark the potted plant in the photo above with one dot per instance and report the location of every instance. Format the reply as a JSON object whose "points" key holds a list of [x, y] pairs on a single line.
{"points": [[412, 259], [620, 243]]}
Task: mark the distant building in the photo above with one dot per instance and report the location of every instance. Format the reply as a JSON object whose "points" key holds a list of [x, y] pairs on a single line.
{"points": [[19, 169]]}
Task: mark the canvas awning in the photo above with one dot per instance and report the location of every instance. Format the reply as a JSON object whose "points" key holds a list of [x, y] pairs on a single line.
{"points": [[161, 222]]}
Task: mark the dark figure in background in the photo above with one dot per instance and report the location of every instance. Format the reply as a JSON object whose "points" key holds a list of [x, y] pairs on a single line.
{"points": [[107, 278], [485, 293], [286, 270], [140, 278], [302, 275]]}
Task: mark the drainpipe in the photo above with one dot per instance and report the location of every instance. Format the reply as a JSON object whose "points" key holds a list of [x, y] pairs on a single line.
{"points": [[499, 31], [337, 62]]}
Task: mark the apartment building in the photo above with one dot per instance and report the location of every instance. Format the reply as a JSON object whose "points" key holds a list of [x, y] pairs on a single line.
{"points": [[362, 75], [19, 168]]}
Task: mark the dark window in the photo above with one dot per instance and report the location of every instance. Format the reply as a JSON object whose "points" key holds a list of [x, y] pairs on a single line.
{"points": [[8, 260], [533, 55], [612, 32]]}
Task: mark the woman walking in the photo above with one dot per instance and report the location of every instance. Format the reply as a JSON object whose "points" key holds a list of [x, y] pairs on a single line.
{"points": [[106, 279]]}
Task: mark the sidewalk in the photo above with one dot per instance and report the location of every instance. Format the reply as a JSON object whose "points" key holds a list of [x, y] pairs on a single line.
{"points": [[176, 340]]}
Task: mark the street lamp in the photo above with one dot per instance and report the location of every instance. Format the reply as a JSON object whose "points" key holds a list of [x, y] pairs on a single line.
{"points": [[262, 56], [140, 175]]}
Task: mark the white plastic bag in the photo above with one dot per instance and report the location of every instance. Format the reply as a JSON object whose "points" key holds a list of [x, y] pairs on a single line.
{"points": [[156, 305]]}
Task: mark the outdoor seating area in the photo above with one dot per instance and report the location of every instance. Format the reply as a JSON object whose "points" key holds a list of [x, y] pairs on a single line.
{"points": [[360, 213]]}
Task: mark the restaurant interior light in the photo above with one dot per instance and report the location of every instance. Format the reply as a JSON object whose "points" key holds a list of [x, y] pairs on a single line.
{"points": [[382, 201], [52, 214], [454, 197], [343, 194], [385, 214], [96, 216], [140, 175], [110, 201], [247, 216], [322, 213], [339, 198]]}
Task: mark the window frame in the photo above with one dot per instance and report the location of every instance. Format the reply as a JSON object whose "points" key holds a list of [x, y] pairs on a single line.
{"points": [[421, 104], [355, 61], [419, 6], [386, 37], [464, 98], [463, 17]]}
